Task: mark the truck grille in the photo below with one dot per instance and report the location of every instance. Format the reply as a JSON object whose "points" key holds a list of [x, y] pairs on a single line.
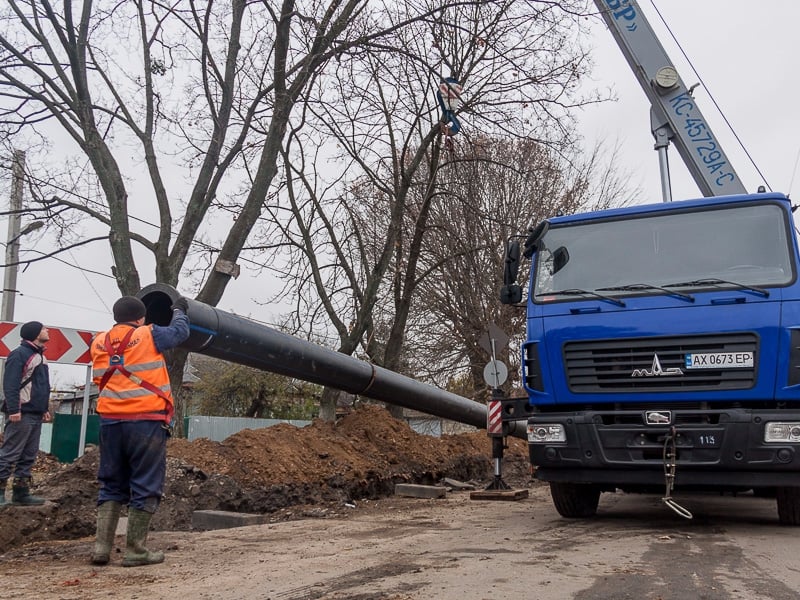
{"points": [[607, 365]]}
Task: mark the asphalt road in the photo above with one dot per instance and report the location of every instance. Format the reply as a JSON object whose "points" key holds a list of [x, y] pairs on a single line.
{"points": [[450, 549]]}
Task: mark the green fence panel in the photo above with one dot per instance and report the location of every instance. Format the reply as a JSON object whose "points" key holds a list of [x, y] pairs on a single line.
{"points": [[67, 434]]}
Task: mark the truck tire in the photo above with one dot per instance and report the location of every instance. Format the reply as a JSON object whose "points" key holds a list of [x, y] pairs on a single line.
{"points": [[575, 500], [788, 499], [768, 492]]}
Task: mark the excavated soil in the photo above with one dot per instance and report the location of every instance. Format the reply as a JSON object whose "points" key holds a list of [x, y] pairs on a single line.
{"points": [[287, 472]]}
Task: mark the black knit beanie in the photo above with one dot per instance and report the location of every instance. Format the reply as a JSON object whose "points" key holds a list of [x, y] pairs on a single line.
{"points": [[30, 330], [127, 309]]}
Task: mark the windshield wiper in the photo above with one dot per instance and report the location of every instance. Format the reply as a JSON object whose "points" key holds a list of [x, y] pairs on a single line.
{"points": [[715, 281], [632, 287], [580, 292]]}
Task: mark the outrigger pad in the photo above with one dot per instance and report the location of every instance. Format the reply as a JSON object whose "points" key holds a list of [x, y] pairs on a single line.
{"points": [[498, 495]]}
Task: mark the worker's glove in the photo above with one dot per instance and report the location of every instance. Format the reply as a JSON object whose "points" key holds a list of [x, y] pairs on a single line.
{"points": [[181, 304]]}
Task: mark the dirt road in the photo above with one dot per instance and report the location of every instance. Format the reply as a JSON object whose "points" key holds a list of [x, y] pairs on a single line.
{"points": [[448, 549]]}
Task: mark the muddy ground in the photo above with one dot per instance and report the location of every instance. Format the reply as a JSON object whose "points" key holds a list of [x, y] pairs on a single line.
{"points": [[337, 533], [282, 471]]}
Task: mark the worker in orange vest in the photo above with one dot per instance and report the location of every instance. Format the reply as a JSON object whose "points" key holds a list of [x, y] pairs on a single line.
{"points": [[136, 412]]}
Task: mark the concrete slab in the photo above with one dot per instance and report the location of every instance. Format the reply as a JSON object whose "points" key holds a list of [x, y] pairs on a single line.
{"points": [[223, 519], [419, 491], [498, 495]]}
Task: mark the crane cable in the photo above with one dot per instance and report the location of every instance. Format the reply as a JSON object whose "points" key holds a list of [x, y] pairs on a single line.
{"points": [[794, 171], [711, 96]]}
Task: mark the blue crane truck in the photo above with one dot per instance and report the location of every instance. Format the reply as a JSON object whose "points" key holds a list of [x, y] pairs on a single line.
{"points": [[662, 351], [662, 347]]}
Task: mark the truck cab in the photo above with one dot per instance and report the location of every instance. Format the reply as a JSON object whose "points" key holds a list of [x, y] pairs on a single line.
{"points": [[662, 351]]}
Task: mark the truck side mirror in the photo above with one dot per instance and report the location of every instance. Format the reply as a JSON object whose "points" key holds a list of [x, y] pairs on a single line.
{"points": [[511, 294], [560, 259], [535, 234], [511, 263]]}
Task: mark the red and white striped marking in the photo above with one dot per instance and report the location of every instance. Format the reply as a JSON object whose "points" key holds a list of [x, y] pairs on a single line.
{"points": [[67, 346], [494, 417]]}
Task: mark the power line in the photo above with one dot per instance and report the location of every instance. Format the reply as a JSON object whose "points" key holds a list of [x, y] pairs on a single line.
{"points": [[89, 283], [69, 264], [794, 172], [61, 302], [89, 201]]}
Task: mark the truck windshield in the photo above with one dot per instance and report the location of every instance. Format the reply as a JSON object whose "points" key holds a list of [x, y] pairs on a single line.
{"points": [[748, 245]]}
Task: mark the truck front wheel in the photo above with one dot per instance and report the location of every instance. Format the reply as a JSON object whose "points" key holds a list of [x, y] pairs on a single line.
{"points": [[575, 500], [788, 505]]}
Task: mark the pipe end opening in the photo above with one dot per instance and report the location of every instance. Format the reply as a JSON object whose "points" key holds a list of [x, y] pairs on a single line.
{"points": [[158, 301]]}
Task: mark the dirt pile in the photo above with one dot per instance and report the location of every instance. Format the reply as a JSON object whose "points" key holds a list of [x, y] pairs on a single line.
{"points": [[284, 471]]}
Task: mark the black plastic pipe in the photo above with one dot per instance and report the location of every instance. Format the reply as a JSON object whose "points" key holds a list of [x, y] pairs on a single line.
{"points": [[235, 339]]}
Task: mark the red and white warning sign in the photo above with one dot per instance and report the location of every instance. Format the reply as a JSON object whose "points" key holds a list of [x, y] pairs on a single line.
{"points": [[494, 417], [66, 346]]}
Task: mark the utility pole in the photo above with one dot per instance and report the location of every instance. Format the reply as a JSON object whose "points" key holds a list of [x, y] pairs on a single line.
{"points": [[12, 245]]}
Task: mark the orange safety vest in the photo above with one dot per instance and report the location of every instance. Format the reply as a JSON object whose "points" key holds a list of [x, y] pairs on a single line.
{"points": [[133, 380]]}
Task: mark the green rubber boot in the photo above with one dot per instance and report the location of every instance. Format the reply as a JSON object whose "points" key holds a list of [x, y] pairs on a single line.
{"points": [[21, 493], [136, 554], [107, 519], [3, 493]]}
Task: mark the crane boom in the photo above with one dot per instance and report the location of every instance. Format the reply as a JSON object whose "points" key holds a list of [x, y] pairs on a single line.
{"points": [[675, 115]]}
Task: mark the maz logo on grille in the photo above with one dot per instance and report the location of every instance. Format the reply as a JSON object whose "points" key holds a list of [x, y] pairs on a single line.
{"points": [[656, 370], [658, 417]]}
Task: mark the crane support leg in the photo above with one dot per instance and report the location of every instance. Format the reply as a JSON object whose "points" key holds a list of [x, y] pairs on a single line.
{"points": [[498, 443]]}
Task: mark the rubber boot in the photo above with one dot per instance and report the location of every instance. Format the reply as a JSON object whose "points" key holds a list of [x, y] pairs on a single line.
{"points": [[136, 554], [107, 519], [3, 492], [21, 493]]}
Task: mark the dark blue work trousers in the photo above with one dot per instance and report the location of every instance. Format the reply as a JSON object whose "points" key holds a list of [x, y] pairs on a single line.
{"points": [[20, 446], [133, 463]]}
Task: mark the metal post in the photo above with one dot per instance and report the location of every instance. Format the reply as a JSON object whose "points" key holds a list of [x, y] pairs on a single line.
{"points": [[662, 132], [663, 163], [12, 245], [85, 411], [498, 444]]}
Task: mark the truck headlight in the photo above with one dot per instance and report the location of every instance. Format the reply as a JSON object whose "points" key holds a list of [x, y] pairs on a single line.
{"points": [[773, 432], [540, 434]]}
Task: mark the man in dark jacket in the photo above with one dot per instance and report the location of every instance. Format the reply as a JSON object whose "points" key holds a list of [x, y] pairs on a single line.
{"points": [[26, 405]]}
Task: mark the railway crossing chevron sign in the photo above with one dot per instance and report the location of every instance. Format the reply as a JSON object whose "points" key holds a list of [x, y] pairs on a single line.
{"points": [[66, 346]]}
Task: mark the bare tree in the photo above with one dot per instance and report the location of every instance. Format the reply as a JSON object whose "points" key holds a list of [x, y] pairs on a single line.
{"points": [[207, 88], [519, 63], [510, 186], [229, 390]]}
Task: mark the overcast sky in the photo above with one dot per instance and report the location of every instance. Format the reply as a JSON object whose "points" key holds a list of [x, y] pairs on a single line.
{"points": [[744, 52]]}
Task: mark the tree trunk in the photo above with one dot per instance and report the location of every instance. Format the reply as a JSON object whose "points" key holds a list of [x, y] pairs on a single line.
{"points": [[176, 361], [327, 404], [396, 411]]}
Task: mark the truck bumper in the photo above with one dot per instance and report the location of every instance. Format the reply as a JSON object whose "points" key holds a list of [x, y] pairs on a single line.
{"points": [[713, 449]]}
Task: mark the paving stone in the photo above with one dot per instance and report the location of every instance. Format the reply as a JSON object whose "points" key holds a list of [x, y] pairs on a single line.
{"points": [[498, 495], [223, 519], [419, 491]]}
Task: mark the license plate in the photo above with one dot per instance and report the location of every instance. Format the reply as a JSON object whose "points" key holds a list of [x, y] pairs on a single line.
{"points": [[719, 360]]}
